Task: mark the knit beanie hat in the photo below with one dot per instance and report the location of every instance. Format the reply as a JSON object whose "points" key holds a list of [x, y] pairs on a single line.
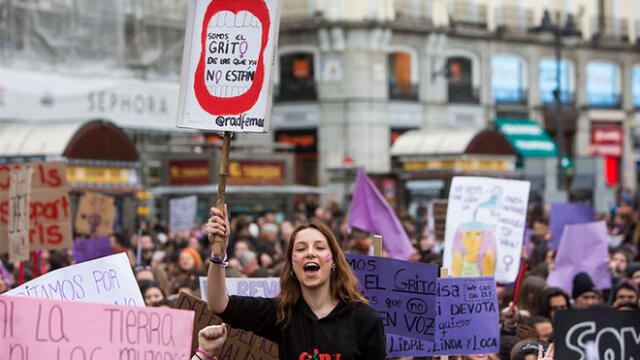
{"points": [[582, 283]]}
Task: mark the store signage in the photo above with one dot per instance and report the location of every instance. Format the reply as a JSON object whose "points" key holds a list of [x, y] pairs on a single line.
{"points": [[101, 175], [256, 173], [459, 165], [189, 172], [606, 139]]}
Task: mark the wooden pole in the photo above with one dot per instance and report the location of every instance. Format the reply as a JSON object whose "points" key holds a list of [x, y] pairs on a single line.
{"points": [[218, 249], [377, 245], [444, 273]]}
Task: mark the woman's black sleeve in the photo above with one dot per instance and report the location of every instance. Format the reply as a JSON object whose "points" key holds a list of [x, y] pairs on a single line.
{"points": [[371, 337], [254, 314]]}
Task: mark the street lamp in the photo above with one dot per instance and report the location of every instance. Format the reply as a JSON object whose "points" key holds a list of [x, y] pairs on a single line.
{"points": [[559, 32]]}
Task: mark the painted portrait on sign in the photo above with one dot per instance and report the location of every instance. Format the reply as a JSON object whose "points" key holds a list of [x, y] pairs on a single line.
{"points": [[474, 246]]}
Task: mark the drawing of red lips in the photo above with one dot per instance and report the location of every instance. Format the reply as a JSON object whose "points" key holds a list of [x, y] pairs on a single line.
{"points": [[231, 89]]}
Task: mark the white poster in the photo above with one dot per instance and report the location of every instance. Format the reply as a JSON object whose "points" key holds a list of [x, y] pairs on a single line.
{"points": [[108, 280], [260, 287], [486, 219], [227, 65], [182, 212]]}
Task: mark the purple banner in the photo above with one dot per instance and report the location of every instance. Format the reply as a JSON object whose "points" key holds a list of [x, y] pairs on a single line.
{"points": [[584, 248], [467, 321], [403, 292], [567, 214], [89, 249]]}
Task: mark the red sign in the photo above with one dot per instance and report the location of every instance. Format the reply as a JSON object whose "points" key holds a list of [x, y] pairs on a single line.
{"points": [[49, 207], [256, 173], [606, 139], [189, 172]]}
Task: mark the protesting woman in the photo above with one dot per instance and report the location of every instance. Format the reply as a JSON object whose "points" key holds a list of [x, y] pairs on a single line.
{"points": [[319, 313]]}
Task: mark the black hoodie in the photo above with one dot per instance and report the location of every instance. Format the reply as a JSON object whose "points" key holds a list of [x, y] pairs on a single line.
{"points": [[349, 332]]}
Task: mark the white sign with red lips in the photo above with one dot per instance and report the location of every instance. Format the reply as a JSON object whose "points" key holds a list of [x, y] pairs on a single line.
{"points": [[226, 66]]}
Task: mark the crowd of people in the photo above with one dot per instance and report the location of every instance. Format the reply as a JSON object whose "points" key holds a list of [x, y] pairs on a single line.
{"points": [[167, 263]]}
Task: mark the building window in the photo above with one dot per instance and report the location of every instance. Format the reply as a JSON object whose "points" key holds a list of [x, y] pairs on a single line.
{"points": [[603, 85], [401, 84], [507, 80], [297, 78], [460, 77], [635, 86], [549, 83]]}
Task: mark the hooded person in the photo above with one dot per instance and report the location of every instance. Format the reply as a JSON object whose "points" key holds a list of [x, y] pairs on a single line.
{"points": [[584, 293]]}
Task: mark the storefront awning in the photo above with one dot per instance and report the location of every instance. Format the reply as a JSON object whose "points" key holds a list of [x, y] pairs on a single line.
{"points": [[527, 137], [451, 141]]}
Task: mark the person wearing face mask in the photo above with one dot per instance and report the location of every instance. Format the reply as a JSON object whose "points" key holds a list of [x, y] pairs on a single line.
{"points": [[319, 312]]}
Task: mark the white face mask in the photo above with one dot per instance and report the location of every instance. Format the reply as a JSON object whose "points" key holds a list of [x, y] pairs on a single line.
{"points": [[615, 240]]}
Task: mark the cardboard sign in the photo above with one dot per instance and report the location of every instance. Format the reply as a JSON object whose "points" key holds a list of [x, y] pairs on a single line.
{"points": [[51, 329], [49, 207], [567, 214], [108, 280], [256, 287], [467, 321], [96, 215], [584, 248], [403, 292], [597, 333], [240, 344], [229, 53], [19, 194], [89, 249], [486, 219], [182, 212]]}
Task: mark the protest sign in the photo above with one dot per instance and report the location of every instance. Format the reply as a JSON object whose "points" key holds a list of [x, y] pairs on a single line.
{"points": [[89, 249], [49, 207], [261, 287], [583, 248], [567, 214], [240, 344], [52, 329], [108, 280], [96, 214], [403, 292], [182, 212], [596, 333], [467, 321], [19, 194], [485, 226], [227, 65]]}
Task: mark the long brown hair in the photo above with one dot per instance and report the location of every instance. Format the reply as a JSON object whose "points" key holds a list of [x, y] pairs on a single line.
{"points": [[344, 284]]}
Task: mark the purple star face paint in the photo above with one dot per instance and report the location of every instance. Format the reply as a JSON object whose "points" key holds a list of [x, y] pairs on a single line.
{"points": [[329, 257], [295, 258]]}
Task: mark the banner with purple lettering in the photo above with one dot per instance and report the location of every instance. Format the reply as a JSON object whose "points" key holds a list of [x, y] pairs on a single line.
{"points": [[403, 292], [261, 287], [485, 227], [53, 329], [467, 321], [107, 280]]}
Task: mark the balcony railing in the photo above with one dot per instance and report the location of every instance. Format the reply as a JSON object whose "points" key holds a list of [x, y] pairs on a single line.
{"points": [[604, 101], [464, 95], [504, 96], [295, 92], [407, 92]]}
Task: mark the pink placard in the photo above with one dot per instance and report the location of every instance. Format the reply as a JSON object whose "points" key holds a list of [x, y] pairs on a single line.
{"points": [[33, 328]]}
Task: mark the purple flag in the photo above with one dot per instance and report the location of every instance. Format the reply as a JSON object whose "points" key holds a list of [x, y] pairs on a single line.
{"points": [[567, 213], [584, 248], [371, 212], [89, 249]]}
